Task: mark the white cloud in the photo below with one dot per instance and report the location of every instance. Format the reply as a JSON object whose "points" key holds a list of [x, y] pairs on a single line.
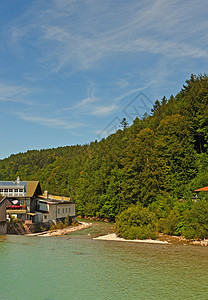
{"points": [[50, 122], [90, 105], [84, 104], [130, 92], [82, 34], [15, 93], [103, 110]]}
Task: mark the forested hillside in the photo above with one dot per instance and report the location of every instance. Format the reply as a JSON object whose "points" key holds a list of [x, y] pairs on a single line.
{"points": [[137, 174]]}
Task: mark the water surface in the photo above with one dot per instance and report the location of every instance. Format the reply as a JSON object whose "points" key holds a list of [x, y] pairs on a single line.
{"points": [[78, 267]]}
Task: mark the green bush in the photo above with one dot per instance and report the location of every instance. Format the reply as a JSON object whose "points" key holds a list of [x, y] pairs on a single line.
{"points": [[170, 225], [136, 222], [142, 232], [59, 225], [196, 221], [67, 221]]}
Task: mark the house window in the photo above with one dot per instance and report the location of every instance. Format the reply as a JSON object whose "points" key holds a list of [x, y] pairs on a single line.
{"points": [[11, 190], [66, 210], [16, 190], [5, 190], [21, 190], [58, 210], [69, 210], [1, 190], [45, 217], [63, 210]]}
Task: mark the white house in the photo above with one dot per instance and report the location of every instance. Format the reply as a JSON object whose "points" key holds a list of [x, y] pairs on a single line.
{"points": [[54, 208]]}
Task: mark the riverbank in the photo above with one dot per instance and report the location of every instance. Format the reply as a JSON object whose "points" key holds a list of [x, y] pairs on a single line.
{"points": [[172, 239], [162, 239], [63, 231], [105, 231]]}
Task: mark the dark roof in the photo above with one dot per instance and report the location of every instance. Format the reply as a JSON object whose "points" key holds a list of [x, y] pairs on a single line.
{"points": [[204, 189]]}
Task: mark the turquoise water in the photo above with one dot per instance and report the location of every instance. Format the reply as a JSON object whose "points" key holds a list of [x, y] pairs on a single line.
{"points": [[78, 267]]}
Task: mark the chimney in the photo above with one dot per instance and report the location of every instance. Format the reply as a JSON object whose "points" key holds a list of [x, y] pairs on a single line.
{"points": [[18, 180], [45, 195]]}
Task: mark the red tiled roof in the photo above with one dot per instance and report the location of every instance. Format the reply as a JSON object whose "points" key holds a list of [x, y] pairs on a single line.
{"points": [[204, 189]]}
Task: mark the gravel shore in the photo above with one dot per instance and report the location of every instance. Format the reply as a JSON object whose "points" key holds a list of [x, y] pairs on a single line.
{"points": [[114, 237], [63, 231]]}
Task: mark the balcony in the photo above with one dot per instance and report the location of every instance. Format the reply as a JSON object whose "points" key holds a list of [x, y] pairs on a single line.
{"points": [[16, 209]]}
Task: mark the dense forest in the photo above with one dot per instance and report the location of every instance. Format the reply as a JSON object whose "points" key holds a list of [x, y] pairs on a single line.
{"points": [[143, 176]]}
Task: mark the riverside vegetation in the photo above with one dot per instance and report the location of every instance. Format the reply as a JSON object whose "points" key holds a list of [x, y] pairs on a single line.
{"points": [[137, 175]]}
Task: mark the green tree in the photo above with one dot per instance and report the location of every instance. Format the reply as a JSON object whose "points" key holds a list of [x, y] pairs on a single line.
{"points": [[196, 221], [136, 222]]}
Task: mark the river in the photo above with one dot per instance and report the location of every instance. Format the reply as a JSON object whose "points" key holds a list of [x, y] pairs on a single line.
{"points": [[77, 267]]}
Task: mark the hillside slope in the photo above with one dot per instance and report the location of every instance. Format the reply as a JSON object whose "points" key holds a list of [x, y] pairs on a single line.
{"points": [[154, 162]]}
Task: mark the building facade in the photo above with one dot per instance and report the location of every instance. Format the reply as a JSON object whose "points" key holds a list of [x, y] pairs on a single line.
{"points": [[24, 200], [21, 198], [55, 208]]}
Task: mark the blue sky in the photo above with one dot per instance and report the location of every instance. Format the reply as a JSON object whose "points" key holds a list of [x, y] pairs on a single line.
{"points": [[69, 69]]}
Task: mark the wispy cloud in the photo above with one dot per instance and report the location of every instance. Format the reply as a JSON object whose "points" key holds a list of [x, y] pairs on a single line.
{"points": [[84, 35], [90, 105], [83, 105], [104, 110], [130, 92], [81, 38], [50, 122], [15, 93], [52, 50]]}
